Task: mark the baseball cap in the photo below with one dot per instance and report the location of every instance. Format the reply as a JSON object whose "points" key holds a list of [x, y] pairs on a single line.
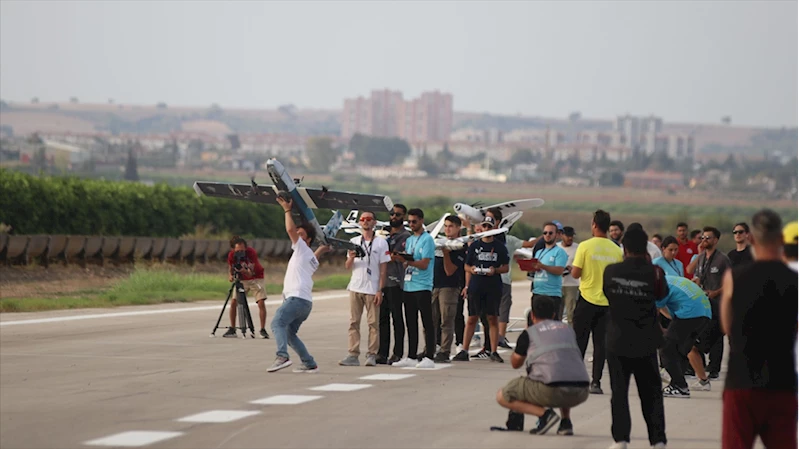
{"points": [[489, 220], [558, 224], [790, 233], [568, 231]]}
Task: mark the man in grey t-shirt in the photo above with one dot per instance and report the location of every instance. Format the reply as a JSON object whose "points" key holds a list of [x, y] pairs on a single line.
{"points": [[391, 308], [710, 268]]}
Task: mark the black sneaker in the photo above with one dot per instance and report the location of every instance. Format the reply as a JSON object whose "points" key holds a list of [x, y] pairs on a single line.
{"points": [[494, 357], [264, 334], [504, 343], [394, 358], [673, 391], [231, 333], [381, 360], [462, 356], [441, 357], [595, 388], [566, 427], [483, 354], [714, 375], [545, 422]]}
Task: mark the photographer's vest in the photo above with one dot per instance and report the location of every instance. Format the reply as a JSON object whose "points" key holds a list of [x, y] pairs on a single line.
{"points": [[553, 356]]}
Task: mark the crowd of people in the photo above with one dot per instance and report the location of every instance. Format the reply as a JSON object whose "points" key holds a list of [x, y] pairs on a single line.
{"points": [[654, 308]]}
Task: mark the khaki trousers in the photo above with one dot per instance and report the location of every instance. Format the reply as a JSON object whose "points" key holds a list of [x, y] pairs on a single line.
{"points": [[445, 307], [359, 301]]}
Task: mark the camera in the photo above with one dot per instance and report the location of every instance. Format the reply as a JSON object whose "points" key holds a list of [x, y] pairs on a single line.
{"points": [[238, 258]]}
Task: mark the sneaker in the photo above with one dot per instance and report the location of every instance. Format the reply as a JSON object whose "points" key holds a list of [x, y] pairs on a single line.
{"points": [[420, 356], [405, 363], [426, 363], [503, 343], [689, 374], [714, 375], [394, 359], [483, 354], [660, 445], [231, 333], [701, 385], [476, 341], [306, 369], [462, 356], [665, 376], [370, 360], [565, 427], [458, 348], [545, 422], [618, 445], [595, 388], [350, 360], [673, 391], [442, 357], [264, 334], [381, 360], [280, 363], [494, 357]]}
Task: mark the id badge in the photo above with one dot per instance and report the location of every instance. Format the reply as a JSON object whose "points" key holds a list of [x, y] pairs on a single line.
{"points": [[408, 274], [369, 272]]}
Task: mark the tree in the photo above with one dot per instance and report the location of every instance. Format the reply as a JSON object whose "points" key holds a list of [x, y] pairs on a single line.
{"points": [[131, 169], [428, 165], [321, 155], [522, 156], [378, 151]]}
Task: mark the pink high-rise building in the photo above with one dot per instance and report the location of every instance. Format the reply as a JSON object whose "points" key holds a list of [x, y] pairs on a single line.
{"points": [[385, 114]]}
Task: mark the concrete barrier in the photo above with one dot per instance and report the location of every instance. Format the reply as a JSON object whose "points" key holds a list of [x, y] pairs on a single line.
{"points": [[93, 248], [159, 247], [37, 247], [258, 245], [15, 248], [127, 248], [3, 242], [222, 251], [187, 249], [269, 247], [143, 247], [110, 247], [74, 249], [282, 247], [58, 243], [212, 250], [200, 246]]}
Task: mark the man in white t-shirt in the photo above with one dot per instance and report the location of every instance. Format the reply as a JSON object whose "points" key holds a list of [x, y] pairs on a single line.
{"points": [[297, 300], [366, 289], [571, 286]]}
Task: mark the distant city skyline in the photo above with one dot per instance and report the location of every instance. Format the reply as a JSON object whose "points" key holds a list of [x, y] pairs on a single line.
{"points": [[685, 62]]}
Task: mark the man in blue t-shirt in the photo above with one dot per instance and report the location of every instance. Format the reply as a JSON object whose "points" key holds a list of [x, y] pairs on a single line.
{"points": [[486, 260], [688, 307], [417, 296], [548, 268]]}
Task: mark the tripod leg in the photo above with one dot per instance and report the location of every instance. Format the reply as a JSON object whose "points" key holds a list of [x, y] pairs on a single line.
{"points": [[229, 295]]}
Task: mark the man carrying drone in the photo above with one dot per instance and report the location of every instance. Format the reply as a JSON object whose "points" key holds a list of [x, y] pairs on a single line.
{"points": [[243, 260]]}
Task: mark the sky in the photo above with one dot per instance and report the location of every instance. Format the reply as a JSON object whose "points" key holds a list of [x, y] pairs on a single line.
{"points": [[683, 61]]}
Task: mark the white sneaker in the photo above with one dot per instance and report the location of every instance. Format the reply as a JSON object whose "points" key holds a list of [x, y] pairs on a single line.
{"points": [[426, 363], [700, 385], [458, 349], [660, 445], [405, 363], [618, 445], [665, 376]]}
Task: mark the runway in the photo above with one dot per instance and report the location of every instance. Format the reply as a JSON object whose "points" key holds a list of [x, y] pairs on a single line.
{"points": [[150, 376]]}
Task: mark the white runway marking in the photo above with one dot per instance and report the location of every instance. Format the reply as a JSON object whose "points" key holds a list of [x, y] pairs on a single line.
{"points": [[133, 438], [219, 416], [438, 366], [387, 376], [341, 387], [150, 312], [286, 399]]}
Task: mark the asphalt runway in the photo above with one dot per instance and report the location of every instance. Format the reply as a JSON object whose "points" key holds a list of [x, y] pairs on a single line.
{"points": [[151, 376]]}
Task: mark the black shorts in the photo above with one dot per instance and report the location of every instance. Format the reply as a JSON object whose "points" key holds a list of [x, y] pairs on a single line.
{"points": [[709, 335], [684, 333], [484, 300]]}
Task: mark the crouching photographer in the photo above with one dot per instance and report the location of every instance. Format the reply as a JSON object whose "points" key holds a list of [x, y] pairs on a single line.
{"points": [[243, 261]]}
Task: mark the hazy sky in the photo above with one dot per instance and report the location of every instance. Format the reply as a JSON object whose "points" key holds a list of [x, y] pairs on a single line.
{"points": [[684, 61]]}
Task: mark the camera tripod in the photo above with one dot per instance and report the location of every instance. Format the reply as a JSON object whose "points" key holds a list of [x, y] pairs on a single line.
{"points": [[243, 312]]}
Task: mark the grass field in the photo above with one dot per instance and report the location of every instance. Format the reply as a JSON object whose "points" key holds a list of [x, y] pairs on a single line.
{"points": [[152, 286]]}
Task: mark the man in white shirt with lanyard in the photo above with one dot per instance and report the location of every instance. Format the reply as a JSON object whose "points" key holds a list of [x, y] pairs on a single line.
{"points": [[366, 289]]}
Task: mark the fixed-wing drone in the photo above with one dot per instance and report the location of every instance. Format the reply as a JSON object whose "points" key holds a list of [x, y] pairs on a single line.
{"points": [[304, 199], [476, 213]]}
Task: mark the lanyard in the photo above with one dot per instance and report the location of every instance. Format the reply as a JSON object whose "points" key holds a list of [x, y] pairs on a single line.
{"points": [[706, 266], [368, 251], [674, 267], [544, 253]]}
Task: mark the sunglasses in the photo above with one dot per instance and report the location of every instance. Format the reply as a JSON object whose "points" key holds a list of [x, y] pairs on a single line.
{"points": [[738, 232], [548, 233], [397, 214], [365, 219], [705, 237], [413, 221]]}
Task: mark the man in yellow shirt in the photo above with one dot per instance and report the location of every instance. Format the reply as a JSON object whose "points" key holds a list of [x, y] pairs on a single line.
{"points": [[590, 313]]}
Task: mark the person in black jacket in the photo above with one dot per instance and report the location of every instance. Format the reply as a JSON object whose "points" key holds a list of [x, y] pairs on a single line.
{"points": [[633, 338]]}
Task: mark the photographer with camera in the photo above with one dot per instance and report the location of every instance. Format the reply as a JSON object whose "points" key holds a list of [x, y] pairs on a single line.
{"points": [[243, 263]]}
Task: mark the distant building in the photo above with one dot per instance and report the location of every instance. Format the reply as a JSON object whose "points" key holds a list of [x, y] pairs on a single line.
{"points": [[386, 114], [654, 180]]}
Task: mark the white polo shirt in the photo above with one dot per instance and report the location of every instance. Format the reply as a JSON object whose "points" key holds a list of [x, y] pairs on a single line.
{"points": [[366, 270]]}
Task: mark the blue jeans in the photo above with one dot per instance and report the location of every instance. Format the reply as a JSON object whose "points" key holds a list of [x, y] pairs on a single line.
{"points": [[285, 324]]}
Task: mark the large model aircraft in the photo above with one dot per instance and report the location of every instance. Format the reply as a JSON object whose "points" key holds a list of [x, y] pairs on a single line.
{"points": [[476, 213], [304, 199]]}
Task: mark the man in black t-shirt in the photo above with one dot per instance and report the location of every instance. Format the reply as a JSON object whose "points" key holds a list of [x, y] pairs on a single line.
{"points": [[742, 254], [633, 337], [486, 260], [758, 314], [448, 282]]}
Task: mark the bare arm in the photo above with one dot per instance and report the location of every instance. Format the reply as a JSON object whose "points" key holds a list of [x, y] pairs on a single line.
{"points": [[291, 228], [665, 312], [420, 264], [516, 360], [381, 283], [502, 269], [350, 260], [576, 272], [557, 271], [449, 267], [529, 243], [726, 302], [321, 251]]}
